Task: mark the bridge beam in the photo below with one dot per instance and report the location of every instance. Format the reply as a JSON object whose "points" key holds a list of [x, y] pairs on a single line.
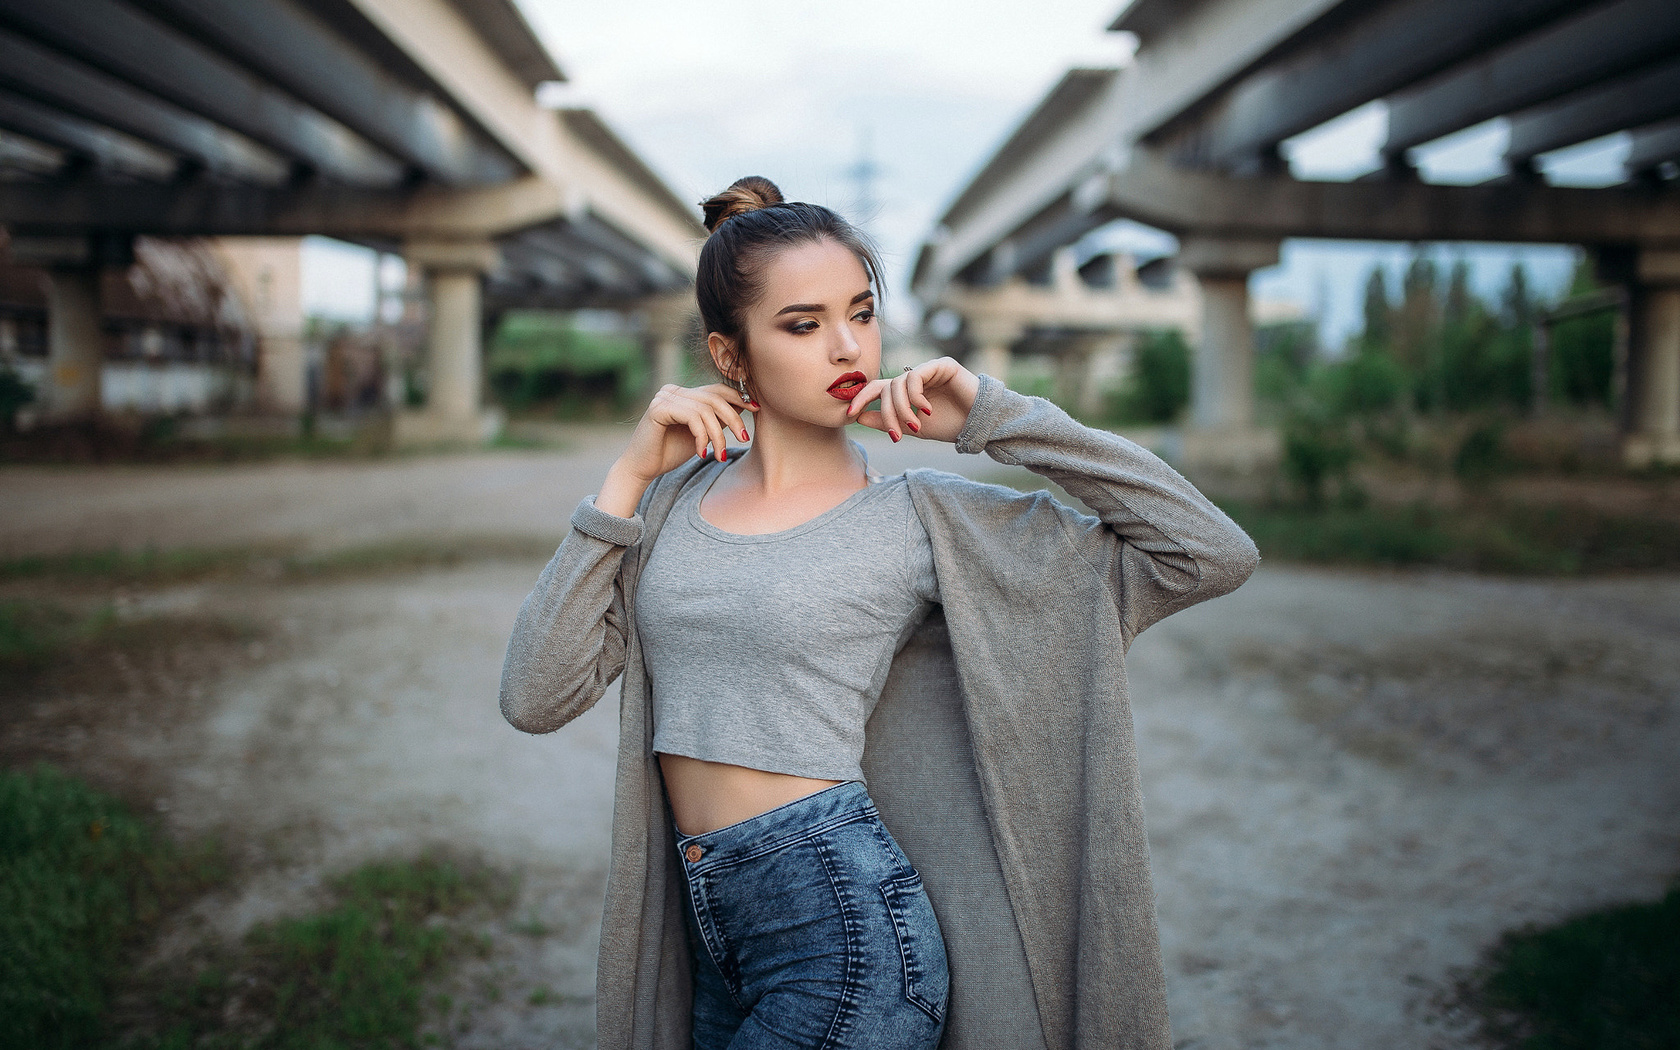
{"points": [[1155, 192], [113, 37], [1571, 54], [31, 69], [297, 50], [1640, 98], [1349, 66]]}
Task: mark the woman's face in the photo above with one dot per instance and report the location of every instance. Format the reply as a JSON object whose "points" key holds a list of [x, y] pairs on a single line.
{"points": [[813, 328]]}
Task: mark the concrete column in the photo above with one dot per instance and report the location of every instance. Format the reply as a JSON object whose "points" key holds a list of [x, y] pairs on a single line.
{"points": [[1654, 373], [1222, 385], [1107, 365], [1222, 374], [453, 412], [993, 340], [452, 343], [669, 321], [75, 345], [1222, 369], [268, 271]]}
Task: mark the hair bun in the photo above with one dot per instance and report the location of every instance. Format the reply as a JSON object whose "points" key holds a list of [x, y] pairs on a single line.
{"points": [[743, 195]]}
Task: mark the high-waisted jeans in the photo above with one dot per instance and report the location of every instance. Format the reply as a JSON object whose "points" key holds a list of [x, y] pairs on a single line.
{"points": [[809, 928]]}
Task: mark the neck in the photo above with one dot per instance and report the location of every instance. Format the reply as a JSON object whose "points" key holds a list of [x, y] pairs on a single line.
{"points": [[788, 454]]}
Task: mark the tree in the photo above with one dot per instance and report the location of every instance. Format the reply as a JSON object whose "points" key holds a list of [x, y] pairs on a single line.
{"points": [[1379, 320]]}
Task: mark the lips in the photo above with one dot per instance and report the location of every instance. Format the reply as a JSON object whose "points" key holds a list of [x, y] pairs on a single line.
{"points": [[846, 387]]}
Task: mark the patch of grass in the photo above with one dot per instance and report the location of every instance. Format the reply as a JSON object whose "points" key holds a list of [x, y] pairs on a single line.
{"points": [[1559, 540], [351, 975], [34, 633], [152, 566], [1605, 981], [80, 877]]}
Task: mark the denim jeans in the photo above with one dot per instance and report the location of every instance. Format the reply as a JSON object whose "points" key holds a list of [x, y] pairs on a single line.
{"points": [[809, 928]]}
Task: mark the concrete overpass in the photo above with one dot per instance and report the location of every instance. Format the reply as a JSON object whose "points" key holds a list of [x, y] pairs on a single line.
{"points": [[1187, 138], [405, 125]]}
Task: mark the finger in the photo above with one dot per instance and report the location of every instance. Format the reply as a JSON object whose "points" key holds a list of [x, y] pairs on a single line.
{"points": [[901, 404], [707, 404], [871, 390], [699, 432], [714, 428], [891, 421], [916, 390], [713, 398], [873, 420]]}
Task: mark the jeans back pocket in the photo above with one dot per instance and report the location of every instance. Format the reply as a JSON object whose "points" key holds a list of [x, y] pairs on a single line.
{"points": [[926, 976]]}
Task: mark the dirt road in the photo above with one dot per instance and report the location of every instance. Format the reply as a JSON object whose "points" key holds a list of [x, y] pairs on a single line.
{"points": [[1355, 781]]}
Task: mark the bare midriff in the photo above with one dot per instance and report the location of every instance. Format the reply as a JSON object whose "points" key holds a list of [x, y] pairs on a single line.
{"points": [[706, 796]]}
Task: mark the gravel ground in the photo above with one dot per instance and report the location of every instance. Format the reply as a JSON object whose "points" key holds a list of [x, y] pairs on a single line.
{"points": [[1355, 781]]}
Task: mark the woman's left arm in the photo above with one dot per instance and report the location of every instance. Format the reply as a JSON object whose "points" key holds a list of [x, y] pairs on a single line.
{"points": [[1162, 544]]}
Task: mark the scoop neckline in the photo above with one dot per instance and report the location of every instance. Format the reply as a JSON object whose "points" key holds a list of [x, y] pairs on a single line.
{"points": [[696, 519]]}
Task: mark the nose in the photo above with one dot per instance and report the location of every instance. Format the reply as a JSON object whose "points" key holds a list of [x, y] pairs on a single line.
{"points": [[845, 346]]}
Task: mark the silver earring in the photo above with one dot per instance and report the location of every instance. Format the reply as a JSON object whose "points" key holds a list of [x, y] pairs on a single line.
{"points": [[742, 385]]}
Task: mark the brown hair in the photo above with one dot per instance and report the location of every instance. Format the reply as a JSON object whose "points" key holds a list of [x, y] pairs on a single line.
{"points": [[750, 222]]}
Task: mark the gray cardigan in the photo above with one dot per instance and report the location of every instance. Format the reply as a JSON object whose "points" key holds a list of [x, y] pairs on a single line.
{"points": [[1001, 753]]}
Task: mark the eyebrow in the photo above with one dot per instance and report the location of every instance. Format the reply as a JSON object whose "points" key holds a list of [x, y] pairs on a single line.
{"points": [[817, 308]]}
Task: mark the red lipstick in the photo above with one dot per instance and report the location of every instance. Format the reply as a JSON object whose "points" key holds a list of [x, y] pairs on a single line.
{"points": [[846, 387]]}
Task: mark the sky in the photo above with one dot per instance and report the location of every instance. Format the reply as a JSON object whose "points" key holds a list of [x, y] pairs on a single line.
{"points": [[925, 90]]}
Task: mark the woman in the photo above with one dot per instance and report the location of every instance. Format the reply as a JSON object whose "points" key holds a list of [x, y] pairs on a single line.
{"points": [[765, 606]]}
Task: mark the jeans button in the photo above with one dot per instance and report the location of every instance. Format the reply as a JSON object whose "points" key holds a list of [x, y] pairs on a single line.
{"points": [[694, 853]]}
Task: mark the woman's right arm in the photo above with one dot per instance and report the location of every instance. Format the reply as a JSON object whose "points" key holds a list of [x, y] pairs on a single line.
{"points": [[570, 638]]}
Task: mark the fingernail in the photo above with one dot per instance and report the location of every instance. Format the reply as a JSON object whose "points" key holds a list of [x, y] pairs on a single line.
{"points": [[927, 411], [893, 434], [914, 426], [744, 434], [723, 457], [753, 403]]}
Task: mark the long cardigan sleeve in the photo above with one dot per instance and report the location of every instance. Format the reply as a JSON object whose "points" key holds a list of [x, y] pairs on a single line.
{"points": [[1161, 544], [569, 641]]}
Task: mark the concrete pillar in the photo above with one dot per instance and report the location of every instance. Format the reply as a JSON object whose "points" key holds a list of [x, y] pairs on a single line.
{"points": [[993, 342], [452, 345], [669, 321], [268, 272], [1222, 369], [1222, 374], [75, 345], [454, 271], [1222, 384], [1106, 367], [1654, 373]]}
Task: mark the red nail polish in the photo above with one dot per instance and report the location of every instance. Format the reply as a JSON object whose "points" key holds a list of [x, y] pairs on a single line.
{"points": [[914, 426], [753, 403], [927, 411], [744, 434], [723, 457], [893, 434]]}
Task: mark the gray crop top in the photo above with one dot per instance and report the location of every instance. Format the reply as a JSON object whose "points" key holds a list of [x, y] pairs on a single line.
{"points": [[770, 651]]}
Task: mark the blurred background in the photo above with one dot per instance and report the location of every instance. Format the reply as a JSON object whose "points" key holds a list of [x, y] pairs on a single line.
{"points": [[318, 316]]}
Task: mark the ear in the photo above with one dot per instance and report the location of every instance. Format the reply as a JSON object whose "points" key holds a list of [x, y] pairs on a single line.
{"points": [[724, 356]]}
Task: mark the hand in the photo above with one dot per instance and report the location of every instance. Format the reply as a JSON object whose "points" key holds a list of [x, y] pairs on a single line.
{"points": [[931, 401], [680, 422]]}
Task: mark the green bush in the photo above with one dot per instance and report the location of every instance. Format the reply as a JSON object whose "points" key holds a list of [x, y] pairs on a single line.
{"points": [[1158, 389], [539, 357], [1316, 450]]}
